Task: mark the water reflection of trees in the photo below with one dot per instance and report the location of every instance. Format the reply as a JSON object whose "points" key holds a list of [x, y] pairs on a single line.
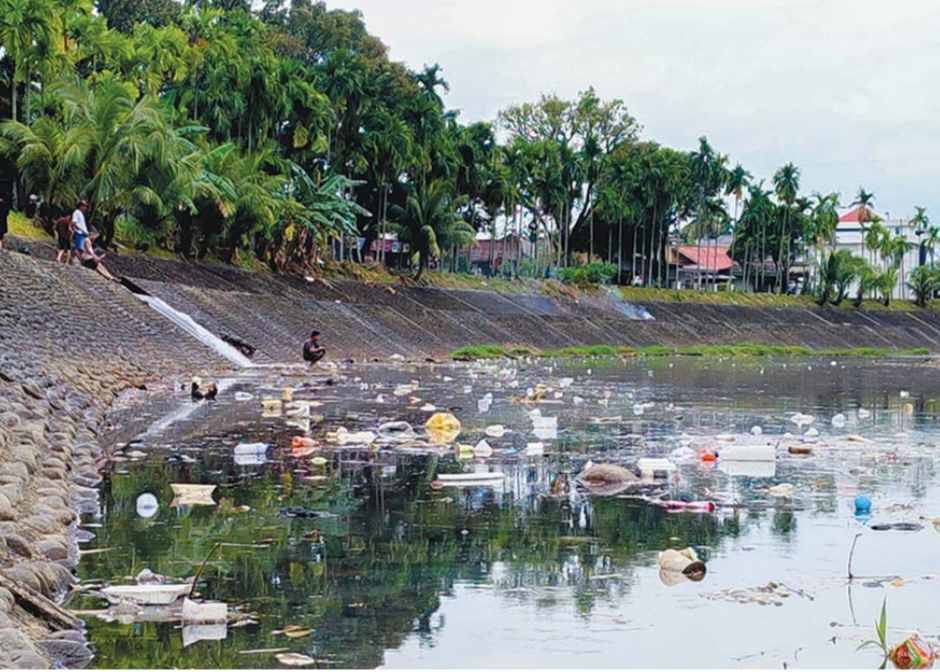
{"points": [[387, 551]]}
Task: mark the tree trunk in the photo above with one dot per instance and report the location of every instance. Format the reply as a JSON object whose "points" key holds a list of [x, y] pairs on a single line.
{"points": [[633, 255], [620, 250], [649, 270], [763, 256], [16, 173], [701, 209], [591, 250]]}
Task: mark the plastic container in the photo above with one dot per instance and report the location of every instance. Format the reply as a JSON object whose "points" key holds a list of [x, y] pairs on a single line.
{"points": [[752, 453], [655, 467]]}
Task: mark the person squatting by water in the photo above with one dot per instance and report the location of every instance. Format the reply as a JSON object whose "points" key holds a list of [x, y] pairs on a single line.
{"points": [[313, 351], [198, 394]]}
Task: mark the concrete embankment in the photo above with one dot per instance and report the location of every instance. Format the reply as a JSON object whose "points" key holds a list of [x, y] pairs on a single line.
{"points": [[275, 313], [70, 342]]}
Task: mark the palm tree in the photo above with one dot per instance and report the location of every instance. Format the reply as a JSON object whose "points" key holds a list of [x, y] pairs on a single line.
{"points": [[428, 219], [825, 221], [895, 248], [924, 283], [875, 238], [703, 165], [387, 145], [738, 180], [864, 200], [786, 186], [887, 281], [42, 161], [23, 25], [920, 221], [933, 239]]}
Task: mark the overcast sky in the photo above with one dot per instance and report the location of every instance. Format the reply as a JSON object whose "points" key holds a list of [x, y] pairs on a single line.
{"points": [[846, 89]]}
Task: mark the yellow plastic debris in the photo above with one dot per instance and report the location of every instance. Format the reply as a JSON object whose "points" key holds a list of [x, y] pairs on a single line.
{"points": [[443, 428]]}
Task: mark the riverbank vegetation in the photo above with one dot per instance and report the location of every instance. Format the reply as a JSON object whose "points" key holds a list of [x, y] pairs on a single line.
{"points": [[483, 352], [284, 133]]}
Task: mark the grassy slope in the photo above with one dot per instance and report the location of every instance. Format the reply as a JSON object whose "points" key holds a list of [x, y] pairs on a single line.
{"points": [[644, 294], [24, 228], [21, 227]]}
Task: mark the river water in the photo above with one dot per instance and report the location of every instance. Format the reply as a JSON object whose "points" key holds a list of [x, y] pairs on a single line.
{"points": [[385, 570]]}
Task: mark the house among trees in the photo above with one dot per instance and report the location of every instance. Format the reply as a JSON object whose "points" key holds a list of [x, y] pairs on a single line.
{"points": [[489, 254], [863, 231], [688, 263]]}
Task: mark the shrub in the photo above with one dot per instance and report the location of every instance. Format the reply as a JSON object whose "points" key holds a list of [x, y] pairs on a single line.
{"points": [[595, 273]]}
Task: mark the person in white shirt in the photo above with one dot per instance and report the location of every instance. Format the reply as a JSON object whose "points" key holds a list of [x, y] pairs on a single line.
{"points": [[79, 228]]}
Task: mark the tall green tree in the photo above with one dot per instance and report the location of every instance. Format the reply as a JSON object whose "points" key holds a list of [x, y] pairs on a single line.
{"points": [[787, 187]]}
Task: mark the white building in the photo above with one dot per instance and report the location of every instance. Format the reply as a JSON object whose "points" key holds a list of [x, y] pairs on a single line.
{"points": [[850, 236]]}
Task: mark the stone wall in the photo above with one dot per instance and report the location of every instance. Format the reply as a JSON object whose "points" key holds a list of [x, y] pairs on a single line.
{"points": [[69, 344]]}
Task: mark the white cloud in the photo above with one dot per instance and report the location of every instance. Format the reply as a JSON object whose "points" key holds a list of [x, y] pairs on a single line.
{"points": [[843, 88]]}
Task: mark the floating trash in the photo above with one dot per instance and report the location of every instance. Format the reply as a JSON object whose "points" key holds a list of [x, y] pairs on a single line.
{"points": [[800, 419], [783, 490], [679, 566], [913, 654], [535, 449], [655, 467], [152, 594], [752, 453], [250, 454], [296, 659], [398, 430], [483, 449], [147, 505], [192, 495]]}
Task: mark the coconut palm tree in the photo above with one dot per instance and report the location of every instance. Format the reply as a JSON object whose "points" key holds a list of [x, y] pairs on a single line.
{"points": [[825, 220], [924, 283], [42, 161], [429, 219], [24, 25]]}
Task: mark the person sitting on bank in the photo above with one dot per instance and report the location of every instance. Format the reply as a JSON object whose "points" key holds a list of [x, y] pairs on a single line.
{"points": [[313, 351], [92, 260]]}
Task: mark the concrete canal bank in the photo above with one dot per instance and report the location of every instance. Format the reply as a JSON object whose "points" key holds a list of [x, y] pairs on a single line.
{"points": [[71, 343]]}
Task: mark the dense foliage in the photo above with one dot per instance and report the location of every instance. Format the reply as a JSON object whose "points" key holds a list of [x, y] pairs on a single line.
{"points": [[283, 132]]}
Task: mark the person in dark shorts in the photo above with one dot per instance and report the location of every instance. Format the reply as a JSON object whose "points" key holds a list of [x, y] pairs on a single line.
{"points": [[313, 351], [63, 237], [4, 215]]}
